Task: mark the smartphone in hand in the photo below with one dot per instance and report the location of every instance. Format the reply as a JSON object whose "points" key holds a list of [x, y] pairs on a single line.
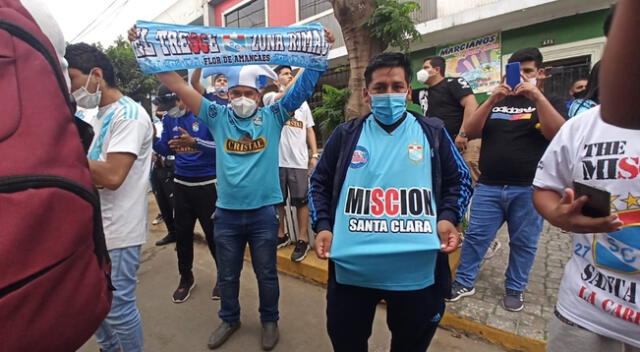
{"points": [[513, 74], [598, 203]]}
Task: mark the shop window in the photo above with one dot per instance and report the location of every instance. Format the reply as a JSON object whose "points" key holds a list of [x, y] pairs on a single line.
{"points": [[308, 8], [564, 72], [249, 15]]}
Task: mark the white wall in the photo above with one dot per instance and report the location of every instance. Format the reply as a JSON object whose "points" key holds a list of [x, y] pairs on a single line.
{"points": [[449, 7], [182, 12]]}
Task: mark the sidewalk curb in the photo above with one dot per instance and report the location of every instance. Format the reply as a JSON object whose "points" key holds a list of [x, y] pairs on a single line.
{"points": [[315, 270], [494, 335]]}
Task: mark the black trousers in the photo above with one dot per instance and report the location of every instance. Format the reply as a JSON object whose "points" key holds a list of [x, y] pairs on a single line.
{"points": [[162, 184], [412, 316], [193, 203]]}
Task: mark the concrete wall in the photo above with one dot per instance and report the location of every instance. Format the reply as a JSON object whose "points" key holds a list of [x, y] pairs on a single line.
{"points": [[450, 7], [182, 12]]}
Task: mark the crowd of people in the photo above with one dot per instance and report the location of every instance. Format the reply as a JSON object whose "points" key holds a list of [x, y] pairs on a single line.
{"points": [[386, 197]]}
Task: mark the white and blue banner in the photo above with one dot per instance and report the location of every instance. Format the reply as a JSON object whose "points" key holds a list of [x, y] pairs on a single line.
{"points": [[167, 47]]}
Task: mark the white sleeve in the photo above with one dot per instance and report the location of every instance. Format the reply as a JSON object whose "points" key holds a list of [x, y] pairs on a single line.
{"points": [[306, 113], [129, 135], [269, 98], [555, 169]]}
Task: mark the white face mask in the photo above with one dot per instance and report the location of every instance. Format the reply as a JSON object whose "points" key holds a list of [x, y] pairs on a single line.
{"points": [[533, 81], [243, 106], [217, 90], [87, 100], [176, 112], [422, 76]]}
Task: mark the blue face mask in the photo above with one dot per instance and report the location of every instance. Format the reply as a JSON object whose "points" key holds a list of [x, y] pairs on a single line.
{"points": [[388, 108]]}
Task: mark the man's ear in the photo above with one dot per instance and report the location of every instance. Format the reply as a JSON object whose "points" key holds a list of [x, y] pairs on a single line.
{"points": [[365, 95], [409, 93], [97, 72], [97, 76]]}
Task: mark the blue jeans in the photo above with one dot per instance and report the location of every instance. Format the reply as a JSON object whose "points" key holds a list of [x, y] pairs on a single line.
{"points": [[233, 229], [121, 330], [491, 206]]}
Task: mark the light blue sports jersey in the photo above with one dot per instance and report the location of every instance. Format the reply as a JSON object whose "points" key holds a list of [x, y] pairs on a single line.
{"points": [[385, 232], [246, 154]]}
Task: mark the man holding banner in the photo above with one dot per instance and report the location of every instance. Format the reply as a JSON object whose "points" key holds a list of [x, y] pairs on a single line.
{"points": [[248, 139]]}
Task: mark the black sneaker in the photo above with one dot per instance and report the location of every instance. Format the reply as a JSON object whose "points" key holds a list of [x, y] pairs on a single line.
{"points": [[215, 294], [458, 291], [300, 252], [513, 300], [284, 241], [182, 293], [169, 238]]}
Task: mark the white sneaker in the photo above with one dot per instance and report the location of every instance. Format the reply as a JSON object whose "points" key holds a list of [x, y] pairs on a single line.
{"points": [[493, 249], [157, 220]]}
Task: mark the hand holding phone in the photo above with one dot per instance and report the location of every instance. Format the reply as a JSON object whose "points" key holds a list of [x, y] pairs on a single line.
{"points": [[513, 74], [598, 204]]}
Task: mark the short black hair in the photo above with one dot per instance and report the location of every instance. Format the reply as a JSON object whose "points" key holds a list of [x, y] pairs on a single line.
{"points": [[282, 67], [437, 61], [527, 54], [606, 26], [388, 60], [593, 84], [84, 57]]}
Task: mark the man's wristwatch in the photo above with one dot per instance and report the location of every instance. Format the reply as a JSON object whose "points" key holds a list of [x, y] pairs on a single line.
{"points": [[462, 134], [316, 155]]}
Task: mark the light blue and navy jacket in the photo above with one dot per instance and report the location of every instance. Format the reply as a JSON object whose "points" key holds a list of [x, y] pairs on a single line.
{"points": [[450, 177], [193, 165]]}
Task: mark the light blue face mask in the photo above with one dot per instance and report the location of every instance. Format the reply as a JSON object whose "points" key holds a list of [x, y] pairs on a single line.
{"points": [[388, 108]]}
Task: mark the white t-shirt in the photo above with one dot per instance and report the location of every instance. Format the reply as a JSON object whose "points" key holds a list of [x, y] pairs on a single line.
{"points": [[600, 289], [294, 152], [124, 127]]}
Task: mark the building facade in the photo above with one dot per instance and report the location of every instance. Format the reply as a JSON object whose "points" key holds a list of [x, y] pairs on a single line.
{"points": [[568, 32]]}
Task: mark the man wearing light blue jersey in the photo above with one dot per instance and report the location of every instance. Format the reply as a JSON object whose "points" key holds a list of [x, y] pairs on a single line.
{"points": [[385, 199], [247, 139]]}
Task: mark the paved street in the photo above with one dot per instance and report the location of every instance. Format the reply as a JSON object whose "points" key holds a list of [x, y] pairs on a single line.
{"points": [[554, 250], [186, 327]]}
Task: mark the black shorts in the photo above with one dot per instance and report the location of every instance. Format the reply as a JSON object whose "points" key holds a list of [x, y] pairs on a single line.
{"points": [[294, 182]]}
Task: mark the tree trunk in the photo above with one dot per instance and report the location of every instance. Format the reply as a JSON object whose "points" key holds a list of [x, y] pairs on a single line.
{"points": [[361, 47]]}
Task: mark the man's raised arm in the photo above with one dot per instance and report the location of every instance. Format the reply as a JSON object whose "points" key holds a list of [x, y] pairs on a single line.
{"points": [[305, 84], [174, 82]]}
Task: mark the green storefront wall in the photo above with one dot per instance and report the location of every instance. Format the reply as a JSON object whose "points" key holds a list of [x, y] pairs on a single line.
{"points": [[561, 31]]}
